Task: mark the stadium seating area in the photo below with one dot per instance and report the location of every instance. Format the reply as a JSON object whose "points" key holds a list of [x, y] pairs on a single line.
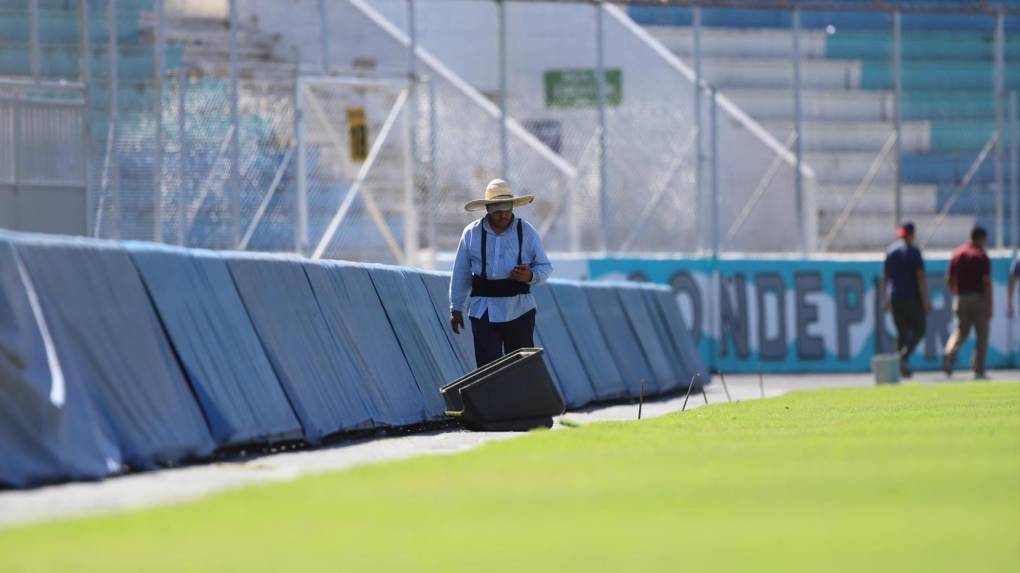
{"points": [[206, 129], [59, 35], [127, 356], [948, 101], [948, 112]]}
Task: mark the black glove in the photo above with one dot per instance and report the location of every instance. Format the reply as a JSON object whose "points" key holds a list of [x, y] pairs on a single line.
{"points": [[456, 321]]}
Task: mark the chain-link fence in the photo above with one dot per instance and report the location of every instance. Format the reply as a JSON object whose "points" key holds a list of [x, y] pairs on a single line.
{"points": [[251, 124]]}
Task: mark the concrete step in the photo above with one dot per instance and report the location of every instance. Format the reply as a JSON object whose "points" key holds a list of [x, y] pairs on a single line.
{"points": [[849, 168], [853, 136], [211, 31], [878, 199], [246, 54], [207, 41], [923, 45], [865, 105], [771, 104], [727, 73], [876, 232], [752, 43]]}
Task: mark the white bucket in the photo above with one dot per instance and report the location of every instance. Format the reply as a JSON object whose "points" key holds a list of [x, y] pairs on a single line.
{"points": [[886, 368]]}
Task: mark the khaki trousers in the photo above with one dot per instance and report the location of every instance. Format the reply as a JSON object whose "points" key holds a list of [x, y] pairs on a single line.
{"points": [[971, 310]]}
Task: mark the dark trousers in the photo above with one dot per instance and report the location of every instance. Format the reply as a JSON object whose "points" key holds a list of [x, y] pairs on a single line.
{"points": [[909, 317], [494, 339]]}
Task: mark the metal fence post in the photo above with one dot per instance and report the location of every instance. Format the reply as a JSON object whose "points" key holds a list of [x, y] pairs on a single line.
{"points": [[897, 78], [324, 35], [1000, 93], [714, 128], [235, 137], [16, 152], [33, 38], [410, 213], [85, 77], [504, 153], [699, 187], [182, 156], [411, 199], [1014, 176], [157, 198], [114, 132], [798, 176], [716, 278], [301, 204], [601, 88], [432, 198]]}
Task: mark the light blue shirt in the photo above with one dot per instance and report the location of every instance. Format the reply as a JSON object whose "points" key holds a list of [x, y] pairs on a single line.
{"points": [[501, 259]]}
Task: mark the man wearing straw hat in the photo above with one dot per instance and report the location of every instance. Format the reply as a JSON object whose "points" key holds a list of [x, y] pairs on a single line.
{"points": [[499, 259]]}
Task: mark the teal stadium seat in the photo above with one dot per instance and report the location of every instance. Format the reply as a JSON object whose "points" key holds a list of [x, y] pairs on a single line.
{"points": [[948, 76]]}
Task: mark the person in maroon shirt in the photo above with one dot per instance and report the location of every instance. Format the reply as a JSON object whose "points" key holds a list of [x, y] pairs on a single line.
{"points": [[969, 277]]}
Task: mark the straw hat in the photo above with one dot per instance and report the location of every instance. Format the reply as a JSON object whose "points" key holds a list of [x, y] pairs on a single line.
{"points": [[498, 192]]}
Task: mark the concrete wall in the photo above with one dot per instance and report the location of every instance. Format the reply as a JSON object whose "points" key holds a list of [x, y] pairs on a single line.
{"points": [[43, 210]]}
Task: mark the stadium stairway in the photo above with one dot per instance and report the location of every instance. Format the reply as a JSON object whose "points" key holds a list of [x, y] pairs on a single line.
{"points": [[847, 105]]}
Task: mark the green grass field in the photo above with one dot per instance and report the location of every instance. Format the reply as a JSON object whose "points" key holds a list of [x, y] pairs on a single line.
{"points": [[907, 478]]}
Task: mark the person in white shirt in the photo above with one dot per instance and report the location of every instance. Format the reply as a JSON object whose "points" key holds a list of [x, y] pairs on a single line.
{"points": [[499, 259]]}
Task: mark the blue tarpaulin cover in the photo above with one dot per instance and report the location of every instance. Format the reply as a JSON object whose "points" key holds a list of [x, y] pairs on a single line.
{"points": [[319, 374], [216, 343], [413, 318], [355, 315], [623, 345], [438, 285], [666, 372], [552, 371], [110, 343], [676, 358], [564, 362], [588, 340], [680, 336], [48, 429]]}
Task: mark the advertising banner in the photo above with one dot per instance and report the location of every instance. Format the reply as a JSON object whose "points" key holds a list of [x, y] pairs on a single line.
{"points": [[810, 315]]}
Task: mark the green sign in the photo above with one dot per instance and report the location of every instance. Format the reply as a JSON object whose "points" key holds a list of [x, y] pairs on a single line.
{"points": [[577, 88]]}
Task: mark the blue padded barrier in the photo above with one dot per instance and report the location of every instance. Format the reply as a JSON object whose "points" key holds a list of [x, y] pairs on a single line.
{"points": [[658, 321], [110, 343], [587, 337], [620, 338], [49, 430], [438, 285], [540, 343], [564, 363], [319, 374], [642, 320], [681, 337], [216, 344], [411, 314], [355, 315], [263, 338]]}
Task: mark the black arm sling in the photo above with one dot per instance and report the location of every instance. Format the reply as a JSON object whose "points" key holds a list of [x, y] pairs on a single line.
{"points": [[499, 288]]}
